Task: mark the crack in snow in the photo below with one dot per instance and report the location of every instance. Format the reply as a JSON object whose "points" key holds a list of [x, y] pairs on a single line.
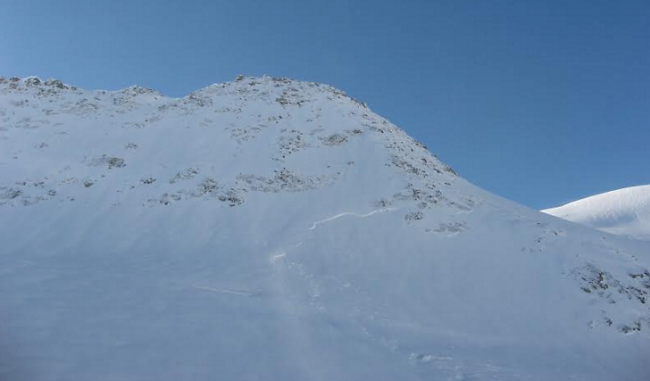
{"points": [[350, 214]]}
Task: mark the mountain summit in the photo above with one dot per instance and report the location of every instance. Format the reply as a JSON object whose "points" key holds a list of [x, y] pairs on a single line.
{"points": [[271, 229]]}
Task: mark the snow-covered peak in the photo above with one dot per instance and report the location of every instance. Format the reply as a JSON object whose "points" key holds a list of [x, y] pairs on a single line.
{"points": [[624, 211], [268, 228], [259, 126]]}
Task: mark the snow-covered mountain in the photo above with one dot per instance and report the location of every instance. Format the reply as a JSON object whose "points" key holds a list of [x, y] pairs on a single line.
{"points": [[270, 229], [624, 211]]}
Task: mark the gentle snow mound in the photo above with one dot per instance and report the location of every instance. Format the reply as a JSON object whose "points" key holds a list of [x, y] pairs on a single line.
{"points": [[624, 212]]}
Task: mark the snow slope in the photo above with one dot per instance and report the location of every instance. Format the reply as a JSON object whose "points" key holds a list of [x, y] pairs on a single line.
{"points": [[270, 229], [623, 211]]}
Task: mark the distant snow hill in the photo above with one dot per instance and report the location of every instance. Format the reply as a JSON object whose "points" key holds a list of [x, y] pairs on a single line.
{"points": [[623, 212], [272, 229]]}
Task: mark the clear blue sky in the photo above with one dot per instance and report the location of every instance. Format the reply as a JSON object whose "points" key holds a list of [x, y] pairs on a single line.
{"points": [[541, 102]]}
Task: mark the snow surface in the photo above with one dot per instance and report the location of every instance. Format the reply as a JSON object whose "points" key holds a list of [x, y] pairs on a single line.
{"points": [[270, 229], [624, 211]]}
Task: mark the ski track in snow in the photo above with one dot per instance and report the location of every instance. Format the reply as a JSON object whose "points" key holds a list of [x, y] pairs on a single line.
{"points": [[276, 257], [329, 219]]}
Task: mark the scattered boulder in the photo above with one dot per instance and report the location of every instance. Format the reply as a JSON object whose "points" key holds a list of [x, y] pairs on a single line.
{"points": [[55, 83], [116, 162], [334, 140], [33, 81], [148, 180], [414, 216]]}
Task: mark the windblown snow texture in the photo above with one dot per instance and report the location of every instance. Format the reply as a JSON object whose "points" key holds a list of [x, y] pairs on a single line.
{"points": [[270, 229]]}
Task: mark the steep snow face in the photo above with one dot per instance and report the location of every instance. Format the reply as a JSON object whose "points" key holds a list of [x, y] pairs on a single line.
{"points": [[269, 229], [623, 211]]}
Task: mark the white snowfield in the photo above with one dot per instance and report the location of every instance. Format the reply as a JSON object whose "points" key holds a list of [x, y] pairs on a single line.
{"points": [[624, 212], [270, 229]]}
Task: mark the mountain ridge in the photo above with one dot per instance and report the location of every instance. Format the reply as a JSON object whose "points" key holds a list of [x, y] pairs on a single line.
{"points": [[275, 229]]}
